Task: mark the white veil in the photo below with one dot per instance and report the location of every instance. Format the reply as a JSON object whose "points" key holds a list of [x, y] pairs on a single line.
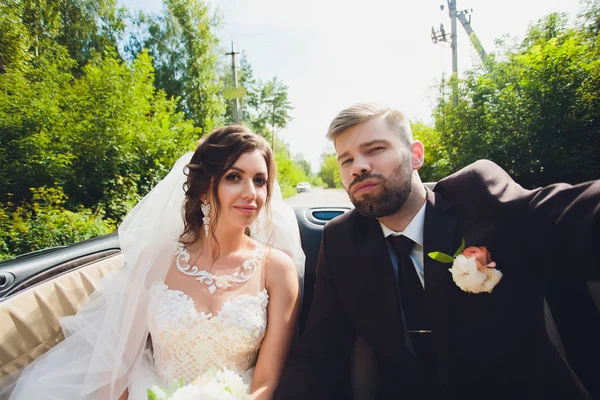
{"points": [[107, 336]]}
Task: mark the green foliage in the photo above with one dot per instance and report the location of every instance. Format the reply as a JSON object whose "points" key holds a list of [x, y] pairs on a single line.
{"points": [[5, 226], [106, 137], [460, 248], [122, 135], [289, 174], [441, 257], [100, 133], [445, 258], [31, 28], [89, 26], [436, 164], [183, 46], [317, 181], [535, 112], [589, 18], [245, 79], [330, 172], [31, 102], [14, 37], [88, 131], [45, 222], [157, 392], [304, 164], [268, 107]]}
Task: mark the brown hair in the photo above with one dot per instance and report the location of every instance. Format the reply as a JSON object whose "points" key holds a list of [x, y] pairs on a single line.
{"points": [[214, 156], [362, 112]]}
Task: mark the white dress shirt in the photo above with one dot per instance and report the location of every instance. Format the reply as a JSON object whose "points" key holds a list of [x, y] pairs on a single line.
{"points": [[413, 231]]}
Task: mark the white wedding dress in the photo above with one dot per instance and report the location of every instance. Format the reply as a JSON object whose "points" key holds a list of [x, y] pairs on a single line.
{"points": [[187, 343], [105, 349]]}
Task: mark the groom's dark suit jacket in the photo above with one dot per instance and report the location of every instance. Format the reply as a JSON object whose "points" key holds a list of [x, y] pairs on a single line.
{"points": [[488, 346]]}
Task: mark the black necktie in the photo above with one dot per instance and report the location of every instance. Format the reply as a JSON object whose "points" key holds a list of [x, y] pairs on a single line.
{"points": [[412, 297]]}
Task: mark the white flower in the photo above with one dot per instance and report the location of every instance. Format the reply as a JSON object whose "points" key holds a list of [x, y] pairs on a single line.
{"points": [[469, 278], [234, 383], [216, 390], [189, 392], [214, 385]]}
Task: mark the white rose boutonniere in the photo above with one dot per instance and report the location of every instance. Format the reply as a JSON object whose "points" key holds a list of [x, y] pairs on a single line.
{"points": [[472, 270]]}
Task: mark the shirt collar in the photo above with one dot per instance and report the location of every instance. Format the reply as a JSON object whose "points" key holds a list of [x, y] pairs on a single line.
{"points": [[413, 231]]}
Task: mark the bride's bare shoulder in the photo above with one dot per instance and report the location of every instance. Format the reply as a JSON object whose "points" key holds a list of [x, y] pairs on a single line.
{"points": [[279, 267]]}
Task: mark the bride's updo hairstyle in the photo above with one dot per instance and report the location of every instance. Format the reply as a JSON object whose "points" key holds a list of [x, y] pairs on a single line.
{"points": [[215, 155]]}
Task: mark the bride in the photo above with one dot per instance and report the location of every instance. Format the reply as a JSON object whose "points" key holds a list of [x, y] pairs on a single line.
{"points": [[203, 274]]}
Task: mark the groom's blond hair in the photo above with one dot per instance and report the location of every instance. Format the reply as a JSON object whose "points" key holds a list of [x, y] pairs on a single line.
{"points": [[359, 113]]}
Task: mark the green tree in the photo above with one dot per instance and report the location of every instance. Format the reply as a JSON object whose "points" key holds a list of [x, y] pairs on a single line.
{"points": [[89, 26], [31, 101], [122, 135], [289, 174], [535, 112], [305, 165], [45, 222], [41, 45], [589, 19], [80, 26], [330, 172], [268, 107], [14, 37], [84, 135], [183, 47], [437, 164]]}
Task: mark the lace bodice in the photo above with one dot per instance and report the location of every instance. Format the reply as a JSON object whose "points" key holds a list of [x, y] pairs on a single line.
{"points": [[187, 343]]}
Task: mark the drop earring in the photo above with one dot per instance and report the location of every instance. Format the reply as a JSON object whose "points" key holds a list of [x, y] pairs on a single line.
{"points": [[205, 208]]}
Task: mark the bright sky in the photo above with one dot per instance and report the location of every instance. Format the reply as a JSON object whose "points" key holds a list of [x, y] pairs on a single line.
{"points": [[332, 53]]}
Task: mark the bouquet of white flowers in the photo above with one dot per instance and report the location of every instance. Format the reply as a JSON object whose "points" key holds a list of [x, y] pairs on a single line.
{"points": [[213, 385]]}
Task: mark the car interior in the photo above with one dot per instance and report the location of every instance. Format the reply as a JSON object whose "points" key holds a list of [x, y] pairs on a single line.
{"points": [[38, 288]]}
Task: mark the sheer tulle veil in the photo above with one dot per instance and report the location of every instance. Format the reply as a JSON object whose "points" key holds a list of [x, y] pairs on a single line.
{"points": [[106, 338]]}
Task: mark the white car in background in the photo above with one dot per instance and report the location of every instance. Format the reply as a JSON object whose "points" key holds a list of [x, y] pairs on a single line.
{"points": [[303, 187]]}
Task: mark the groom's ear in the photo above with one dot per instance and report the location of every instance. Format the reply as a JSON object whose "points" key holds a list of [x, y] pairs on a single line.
{"points": [[418, 155]]}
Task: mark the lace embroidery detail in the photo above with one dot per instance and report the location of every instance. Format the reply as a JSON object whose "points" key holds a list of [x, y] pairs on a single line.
{"points": [[187, 343], [217, 281]]}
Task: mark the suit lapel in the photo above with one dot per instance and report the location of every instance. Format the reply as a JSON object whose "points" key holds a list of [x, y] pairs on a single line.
{"points": [[378, 270], [440, 233]]}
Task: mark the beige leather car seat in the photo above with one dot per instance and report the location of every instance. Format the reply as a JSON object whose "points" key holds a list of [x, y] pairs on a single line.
{"points": [[29, 324]]}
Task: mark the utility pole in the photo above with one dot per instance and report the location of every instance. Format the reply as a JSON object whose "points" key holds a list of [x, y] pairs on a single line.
{"points": [[237, 111], [454, 45], [466, 23], [452, 13], [440, 36]]}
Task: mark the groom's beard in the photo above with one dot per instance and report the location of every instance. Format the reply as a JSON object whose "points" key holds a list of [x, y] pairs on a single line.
{"points": [[394, 192]]}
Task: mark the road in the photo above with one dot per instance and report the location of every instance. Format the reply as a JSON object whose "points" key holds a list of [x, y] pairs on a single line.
{"points": [[320, 197]]}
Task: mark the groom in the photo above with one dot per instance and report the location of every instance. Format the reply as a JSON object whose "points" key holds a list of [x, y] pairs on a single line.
{"points": [[447, 286]]}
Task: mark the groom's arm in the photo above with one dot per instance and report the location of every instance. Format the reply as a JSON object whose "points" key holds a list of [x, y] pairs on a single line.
{"points": [[559, 225], [319, 365], [564, 220]]}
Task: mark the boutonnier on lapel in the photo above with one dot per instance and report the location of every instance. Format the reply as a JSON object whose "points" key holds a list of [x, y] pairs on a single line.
{"points": [[472, 269]]}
